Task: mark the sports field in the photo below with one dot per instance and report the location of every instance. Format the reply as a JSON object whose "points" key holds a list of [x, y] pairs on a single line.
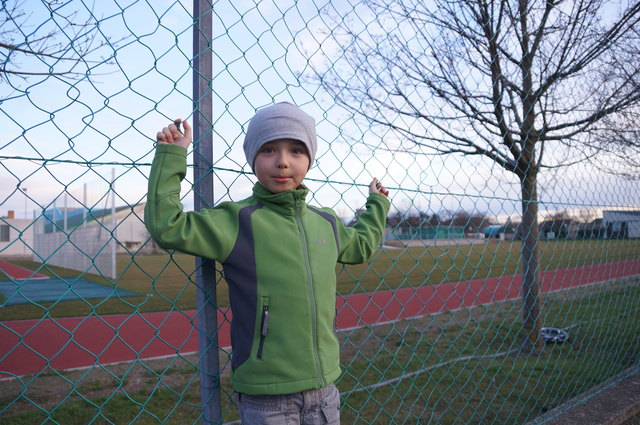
{"points": [[432, 330], [450, 368], [397, 284], [77, 342], [166, 282]]}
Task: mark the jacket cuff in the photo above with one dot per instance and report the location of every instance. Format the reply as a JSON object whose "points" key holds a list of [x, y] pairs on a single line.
{"points": [[171, 149], [378, 197]]}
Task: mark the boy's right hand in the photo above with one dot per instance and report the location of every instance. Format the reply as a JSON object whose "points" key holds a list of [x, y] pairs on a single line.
{"points": [[173, 136]]}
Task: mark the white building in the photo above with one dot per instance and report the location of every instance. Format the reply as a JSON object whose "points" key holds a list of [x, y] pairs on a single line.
{"points": [[16, 236], [621, 224], [88, 240]]}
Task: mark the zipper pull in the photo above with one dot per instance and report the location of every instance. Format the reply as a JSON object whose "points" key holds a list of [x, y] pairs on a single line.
{"points": [[265, 320]]}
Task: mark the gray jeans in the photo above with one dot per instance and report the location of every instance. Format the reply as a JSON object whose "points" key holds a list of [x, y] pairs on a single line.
{"points": [[312, 407]]}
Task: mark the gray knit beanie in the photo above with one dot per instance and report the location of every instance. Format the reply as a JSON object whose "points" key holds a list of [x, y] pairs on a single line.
{"points": [[280, 121]]}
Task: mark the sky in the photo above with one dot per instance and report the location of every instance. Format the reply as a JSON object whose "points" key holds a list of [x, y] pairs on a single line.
{"points": [[60, 135]]}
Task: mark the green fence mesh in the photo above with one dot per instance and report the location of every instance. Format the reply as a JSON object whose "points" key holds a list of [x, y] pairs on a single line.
{"points": [[506, 132]]}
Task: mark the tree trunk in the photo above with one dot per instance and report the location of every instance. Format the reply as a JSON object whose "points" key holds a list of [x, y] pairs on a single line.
{"points": [[531, 324]]}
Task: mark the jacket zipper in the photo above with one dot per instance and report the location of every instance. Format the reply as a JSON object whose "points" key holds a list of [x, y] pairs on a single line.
{"points": [[312, 296], [264, 329]]}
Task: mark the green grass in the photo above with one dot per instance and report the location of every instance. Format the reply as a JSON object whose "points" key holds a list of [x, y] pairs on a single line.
{"points": [[166, 282], [471, 385], [509, 389]]}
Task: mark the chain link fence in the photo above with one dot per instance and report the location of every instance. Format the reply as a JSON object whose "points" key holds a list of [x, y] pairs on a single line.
{"points": [[505, 131]]}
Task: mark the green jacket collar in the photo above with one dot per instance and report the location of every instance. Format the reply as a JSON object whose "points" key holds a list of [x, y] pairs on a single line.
{"points": [[285, 203]]}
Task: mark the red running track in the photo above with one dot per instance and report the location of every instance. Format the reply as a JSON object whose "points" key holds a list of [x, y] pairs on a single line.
{"points": [[19, 273], [34, 346]]}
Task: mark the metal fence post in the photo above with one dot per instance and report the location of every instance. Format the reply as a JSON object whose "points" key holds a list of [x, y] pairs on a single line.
{"points": [[203, 198]]}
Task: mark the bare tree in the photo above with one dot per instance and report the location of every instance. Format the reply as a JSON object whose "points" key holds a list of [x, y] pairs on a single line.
{"points": [[621, 142], [620, 134], [53, 39], [525, 84]]}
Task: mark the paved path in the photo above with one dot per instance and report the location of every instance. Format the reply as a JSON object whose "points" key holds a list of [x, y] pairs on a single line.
{"points": [[34, 346]]}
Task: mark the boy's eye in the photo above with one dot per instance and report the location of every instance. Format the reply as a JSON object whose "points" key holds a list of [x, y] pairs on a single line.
{"points": [[297, 151], [266, 150]]}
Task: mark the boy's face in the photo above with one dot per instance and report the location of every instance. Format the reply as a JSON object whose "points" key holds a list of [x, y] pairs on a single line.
{"points": [[281, 165]]}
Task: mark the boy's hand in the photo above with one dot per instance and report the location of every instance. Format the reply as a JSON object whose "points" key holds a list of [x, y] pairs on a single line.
{"points": [[172, 135], [376, 187]]}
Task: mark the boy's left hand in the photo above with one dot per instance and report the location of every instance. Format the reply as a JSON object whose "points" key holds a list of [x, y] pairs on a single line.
{"points": [[376, 187]]}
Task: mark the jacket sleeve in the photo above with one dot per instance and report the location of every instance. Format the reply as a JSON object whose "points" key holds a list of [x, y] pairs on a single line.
{"points": [[360, 242], [208, 233]]}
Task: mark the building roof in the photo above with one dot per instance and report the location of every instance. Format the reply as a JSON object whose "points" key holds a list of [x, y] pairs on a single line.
{"points": [[622, 212], [494, 229], [75, 217]]}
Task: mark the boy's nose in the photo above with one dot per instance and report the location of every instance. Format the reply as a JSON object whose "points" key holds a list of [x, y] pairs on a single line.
{"points": [[282, 161]]}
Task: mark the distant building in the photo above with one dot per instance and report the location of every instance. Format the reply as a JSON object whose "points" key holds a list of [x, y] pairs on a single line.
{"points": [[507, 231], [559, 228], [592, 230], [88, 240], [495, 231], [126, 227], [614, 224], [16, 235], [621, 224]]}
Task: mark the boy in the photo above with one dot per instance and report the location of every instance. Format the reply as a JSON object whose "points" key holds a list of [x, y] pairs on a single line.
{"points": [[278, 255]]}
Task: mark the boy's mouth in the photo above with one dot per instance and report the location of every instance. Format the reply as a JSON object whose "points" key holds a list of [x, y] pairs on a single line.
{"points": [[281, 179]]}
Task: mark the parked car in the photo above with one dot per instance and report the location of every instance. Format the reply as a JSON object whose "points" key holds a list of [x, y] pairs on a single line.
{"points": [[552, 335]]}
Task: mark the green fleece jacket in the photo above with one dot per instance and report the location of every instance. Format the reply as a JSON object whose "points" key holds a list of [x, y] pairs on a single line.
{"points": [[279, 256]]}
